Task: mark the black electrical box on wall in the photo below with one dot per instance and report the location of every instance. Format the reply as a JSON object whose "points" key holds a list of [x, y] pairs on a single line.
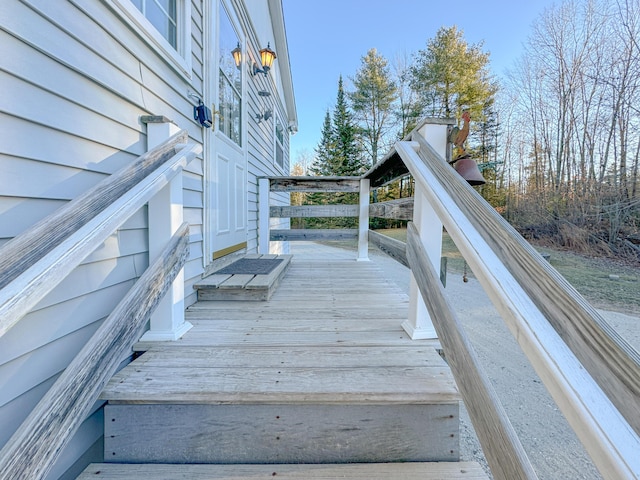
{"points": [[202, 115]]}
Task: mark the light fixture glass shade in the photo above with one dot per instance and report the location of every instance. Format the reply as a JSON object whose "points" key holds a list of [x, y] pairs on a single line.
{"points": [[237, 55], [267, 56]]}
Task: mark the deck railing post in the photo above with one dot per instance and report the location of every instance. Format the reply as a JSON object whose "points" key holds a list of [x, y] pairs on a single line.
{"points": [[264, 187], [363, 221], [419, 325], [165, 211]]}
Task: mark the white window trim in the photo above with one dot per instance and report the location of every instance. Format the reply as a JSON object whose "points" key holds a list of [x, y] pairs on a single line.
{"points": [[276, 115], [179, 59]]}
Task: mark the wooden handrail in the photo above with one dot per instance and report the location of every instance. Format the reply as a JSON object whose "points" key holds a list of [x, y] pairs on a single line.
{"points": [[399, 209], [34, 447], [500, 443], [533, 300], [314, 184], [35, 261], [392, 247]]}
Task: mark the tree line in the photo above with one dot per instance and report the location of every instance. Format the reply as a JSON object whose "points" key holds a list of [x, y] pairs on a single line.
{"points": [[557, 138]]}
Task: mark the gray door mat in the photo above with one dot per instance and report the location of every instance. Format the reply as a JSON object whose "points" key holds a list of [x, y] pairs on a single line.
{"points": [[251, 266]]}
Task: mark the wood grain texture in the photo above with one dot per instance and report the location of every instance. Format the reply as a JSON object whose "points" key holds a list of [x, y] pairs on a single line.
{"points": [[400, 209], [32, 450], [392, 247], [315, 184], [500, 443], [547, 316], [259, 385], [315, 234], [313, 211], [367, 471], [282, 433], [271, 280]]}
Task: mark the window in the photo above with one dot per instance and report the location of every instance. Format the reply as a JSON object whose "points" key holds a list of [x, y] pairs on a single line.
{"points": [[279, 142], [165, 25], [230, 81], [163, 15]]}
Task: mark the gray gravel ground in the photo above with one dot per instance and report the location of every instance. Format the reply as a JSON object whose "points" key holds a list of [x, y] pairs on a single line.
{"points": [[550, 443]]}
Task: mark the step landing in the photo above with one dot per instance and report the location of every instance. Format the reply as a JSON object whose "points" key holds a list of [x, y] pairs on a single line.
{"points": [[250, 278]]}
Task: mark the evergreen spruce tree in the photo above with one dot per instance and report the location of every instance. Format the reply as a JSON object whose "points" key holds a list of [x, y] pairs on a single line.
{"points": [[372, 102], [323, 164], [338, 154], [347, 154]]}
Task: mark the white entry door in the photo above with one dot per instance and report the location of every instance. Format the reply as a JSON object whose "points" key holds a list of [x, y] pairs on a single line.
{"points": [[228, 187]]}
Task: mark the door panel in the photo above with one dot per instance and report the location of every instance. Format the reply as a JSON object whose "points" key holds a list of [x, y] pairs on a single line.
{"points": [[228, 187]]}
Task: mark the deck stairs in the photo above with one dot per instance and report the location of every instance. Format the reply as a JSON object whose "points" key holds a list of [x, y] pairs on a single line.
{"points": [[318, 382]]}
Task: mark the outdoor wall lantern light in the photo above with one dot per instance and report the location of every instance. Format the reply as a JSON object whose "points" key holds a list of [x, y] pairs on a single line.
{"points": [[267, 56], [237, 55]]}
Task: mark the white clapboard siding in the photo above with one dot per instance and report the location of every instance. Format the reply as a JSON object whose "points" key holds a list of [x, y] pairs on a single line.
{"points": [[47, 180], [44, 363], [37, 329], [48, 37], [51, 77], [16, 214], [25, 100], [61, 148]]}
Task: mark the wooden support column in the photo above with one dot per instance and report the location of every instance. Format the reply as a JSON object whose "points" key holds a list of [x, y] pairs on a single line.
{"points": [[165, 212], [264, 187], [363, 221], [419, 325]]}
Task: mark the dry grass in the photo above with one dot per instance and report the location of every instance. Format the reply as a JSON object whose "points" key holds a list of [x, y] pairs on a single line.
{"points": [[604, 282]]}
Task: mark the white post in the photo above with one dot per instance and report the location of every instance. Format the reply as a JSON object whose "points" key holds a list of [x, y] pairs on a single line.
{"points": [[419, 325], [165, 216], [363, 221], [263, 215]]}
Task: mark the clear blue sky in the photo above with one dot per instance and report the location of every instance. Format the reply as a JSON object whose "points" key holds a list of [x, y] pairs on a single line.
{"points": [[328, 38]]}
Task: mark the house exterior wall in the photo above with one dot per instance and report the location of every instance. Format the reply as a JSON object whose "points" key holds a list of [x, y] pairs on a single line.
{"points": [[76, 77]]}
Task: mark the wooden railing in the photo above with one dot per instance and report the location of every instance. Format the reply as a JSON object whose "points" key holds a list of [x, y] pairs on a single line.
{"points": [[591, 372], [33, 263], [267, 185]]}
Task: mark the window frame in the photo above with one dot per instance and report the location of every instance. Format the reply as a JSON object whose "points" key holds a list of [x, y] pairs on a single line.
{"points": [[229, 13], [276, 141], [179, 57]]}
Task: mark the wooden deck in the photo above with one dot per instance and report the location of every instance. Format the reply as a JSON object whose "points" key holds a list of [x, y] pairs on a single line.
{"points": [[327, 353]]}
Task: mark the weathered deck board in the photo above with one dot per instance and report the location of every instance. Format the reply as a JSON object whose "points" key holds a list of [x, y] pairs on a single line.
{"points": [[368, 471], [323, 343], [321, 373], [198, 385], [419, 356], [280, 433]]}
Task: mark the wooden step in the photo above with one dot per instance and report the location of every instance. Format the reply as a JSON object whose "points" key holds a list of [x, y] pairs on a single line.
{"points": [[244, 286], [283, 405], [371, 471]]}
